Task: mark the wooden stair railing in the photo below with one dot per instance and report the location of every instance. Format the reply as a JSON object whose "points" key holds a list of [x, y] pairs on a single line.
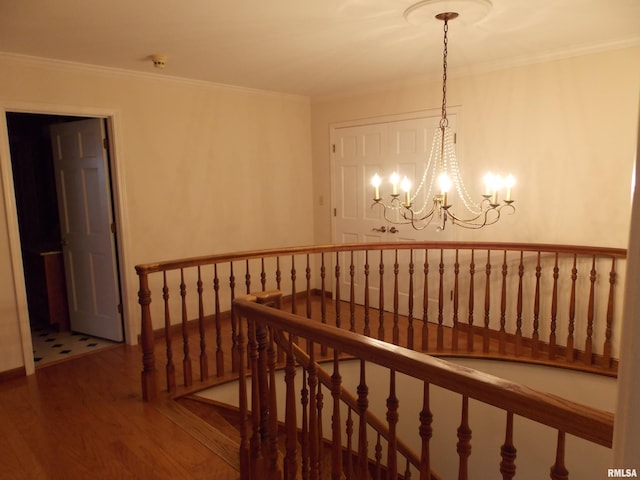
{"points": [[294, 332], [354, 404], [546, 304]]}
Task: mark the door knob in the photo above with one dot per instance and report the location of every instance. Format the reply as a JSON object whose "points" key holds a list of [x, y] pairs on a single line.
{"points": [[382, 229], [394, 230]]}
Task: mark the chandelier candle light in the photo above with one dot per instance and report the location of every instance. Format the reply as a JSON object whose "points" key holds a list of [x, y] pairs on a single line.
{"points": [[441, 174]]}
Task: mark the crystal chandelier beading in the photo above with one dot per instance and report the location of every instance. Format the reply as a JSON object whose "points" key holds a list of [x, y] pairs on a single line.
{"points": [[442, 178]]}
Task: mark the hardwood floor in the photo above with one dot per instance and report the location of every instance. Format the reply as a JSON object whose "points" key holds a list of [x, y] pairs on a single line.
{"points": [[85, 418]]}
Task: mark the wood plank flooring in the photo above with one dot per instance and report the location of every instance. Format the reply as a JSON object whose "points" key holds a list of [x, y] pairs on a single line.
{"points": [[85, 419]]}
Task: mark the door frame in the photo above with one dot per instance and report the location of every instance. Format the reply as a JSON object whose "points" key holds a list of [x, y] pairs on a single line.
{"points": [[117, 186]]}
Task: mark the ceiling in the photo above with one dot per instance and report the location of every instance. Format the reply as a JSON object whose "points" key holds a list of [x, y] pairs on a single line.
{"points": [[314, 47]]}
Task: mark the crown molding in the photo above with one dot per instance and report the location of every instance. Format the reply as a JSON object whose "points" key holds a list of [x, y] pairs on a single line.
{"points": [[121, 73]]}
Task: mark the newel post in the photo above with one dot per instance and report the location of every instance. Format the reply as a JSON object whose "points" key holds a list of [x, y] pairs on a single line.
{"points": [[149, 373]]}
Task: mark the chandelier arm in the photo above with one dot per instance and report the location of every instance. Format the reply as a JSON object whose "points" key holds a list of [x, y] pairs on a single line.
{"points": [[489, 217]]}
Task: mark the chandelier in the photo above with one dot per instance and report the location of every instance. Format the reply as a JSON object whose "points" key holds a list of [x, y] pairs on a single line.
{"points": [[442, 180]]}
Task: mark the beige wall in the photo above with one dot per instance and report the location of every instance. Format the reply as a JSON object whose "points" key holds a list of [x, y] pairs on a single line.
{"points": [[566, 129], [201, 168]]}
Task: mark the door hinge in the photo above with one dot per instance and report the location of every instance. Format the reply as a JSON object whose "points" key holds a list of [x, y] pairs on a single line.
{"points": [[113, 227], [455, 138], [105, 143], [335, 212], [120, 308], [333, 148]]}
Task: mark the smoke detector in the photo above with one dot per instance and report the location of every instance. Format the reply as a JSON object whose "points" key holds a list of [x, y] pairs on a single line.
{"points": [[159, 61]]}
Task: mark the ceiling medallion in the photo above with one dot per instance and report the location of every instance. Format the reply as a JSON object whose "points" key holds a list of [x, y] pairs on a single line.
{"points": [[469, 11]]}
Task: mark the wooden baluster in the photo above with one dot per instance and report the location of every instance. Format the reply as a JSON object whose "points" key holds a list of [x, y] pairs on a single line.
{"points": [[323, 298], [336, 426], [518, 346], [337, 289], [363, 405], [352, 295], [464, 441], [426, 432], [234, 346], [554, 311], [367, 301], [274, 470], [149, 373], [410, 313], [440, 331], [255, 444], [558, 470], [572, 310], [245, 462], [502, 347], [456, 294], [535, 336], [186, 360], [320, 435], [381, 299], [378, 457], [472, 271], [278, 274], [170, 368], [588, 347], [396, 300], [294, 303], [425, 304], [392, 420], [308, 289], [606, 352], [204, 360], [304, 440], [312, 380], [407, 470], [291, 422], [263, 390], [487, 305], [216, 302], [247, 278], [349, 432], [263, 276], [508, 452]]}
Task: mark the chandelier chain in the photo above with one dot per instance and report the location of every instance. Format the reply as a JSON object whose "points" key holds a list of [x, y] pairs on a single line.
{"points": [[444, 121]]}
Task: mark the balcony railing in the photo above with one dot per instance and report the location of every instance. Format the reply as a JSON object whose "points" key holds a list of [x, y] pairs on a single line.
{"points": [[549, 304]]}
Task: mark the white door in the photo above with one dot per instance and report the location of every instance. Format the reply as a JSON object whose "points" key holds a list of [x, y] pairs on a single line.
{"points": [[361, 151], [86, 227]]}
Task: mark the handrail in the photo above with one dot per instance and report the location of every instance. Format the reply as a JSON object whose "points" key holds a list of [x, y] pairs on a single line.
{"points": [[147, 268], [566, 416]]}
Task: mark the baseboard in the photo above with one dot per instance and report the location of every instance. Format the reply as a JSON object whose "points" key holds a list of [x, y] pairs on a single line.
{"points": [[13, 373]]}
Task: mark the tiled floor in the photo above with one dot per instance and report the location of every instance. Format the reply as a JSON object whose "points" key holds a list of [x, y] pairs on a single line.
{"points": [[51, 346]]}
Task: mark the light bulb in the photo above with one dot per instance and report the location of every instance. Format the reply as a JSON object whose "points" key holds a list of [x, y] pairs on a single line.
{"points": [[405, 185], [488, 183], [444, 182], [376, 181], [509, 182], [394, 179]]}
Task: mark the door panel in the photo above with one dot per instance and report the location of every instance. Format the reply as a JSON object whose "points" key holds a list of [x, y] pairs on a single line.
{"points": [[82, 183]]}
